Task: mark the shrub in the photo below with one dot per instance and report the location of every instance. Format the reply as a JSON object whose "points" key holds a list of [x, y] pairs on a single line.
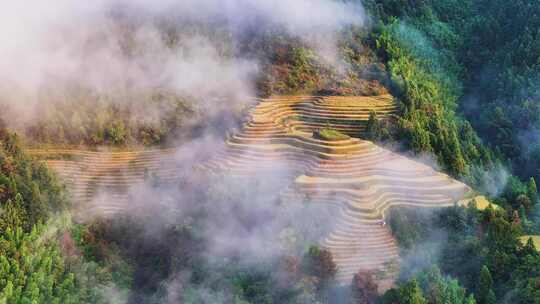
{"points": [[330, 135]]}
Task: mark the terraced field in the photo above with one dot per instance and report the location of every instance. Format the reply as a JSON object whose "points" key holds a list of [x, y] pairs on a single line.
{"points": [[360, 179], [99, 182]]}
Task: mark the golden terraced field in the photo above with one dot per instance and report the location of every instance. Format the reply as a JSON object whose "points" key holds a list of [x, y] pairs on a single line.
{"points": [[99, 181], [359, 178]]}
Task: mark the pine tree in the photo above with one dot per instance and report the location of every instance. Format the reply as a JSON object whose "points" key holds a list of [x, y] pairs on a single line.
{"points": [[14, 214], [470, 300], [410, 293], [525, 202], [532, 191], [485, 292], [491, 299], [453, 155], [529, 248], [419, 139], [373, 127], [363, 288], [320, 263]]}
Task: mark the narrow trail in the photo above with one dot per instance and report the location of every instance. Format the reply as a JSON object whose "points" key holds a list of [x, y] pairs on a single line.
{"points": [[359, 178]]}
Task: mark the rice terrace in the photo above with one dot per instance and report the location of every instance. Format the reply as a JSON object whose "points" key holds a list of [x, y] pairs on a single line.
{"points": [[270, 152], [359, 178]]}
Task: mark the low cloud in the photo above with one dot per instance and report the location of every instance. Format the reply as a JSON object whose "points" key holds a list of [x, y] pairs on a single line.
{"points": [[124, 48]]}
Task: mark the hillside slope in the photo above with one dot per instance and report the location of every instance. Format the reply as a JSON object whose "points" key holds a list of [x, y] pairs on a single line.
{"points": [[358, 177], [100, 181], [283, 134]]}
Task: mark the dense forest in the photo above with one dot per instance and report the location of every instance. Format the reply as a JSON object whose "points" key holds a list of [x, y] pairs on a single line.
{"points": [[465, 99], [39, 258], [469, 100], [465, 76]]}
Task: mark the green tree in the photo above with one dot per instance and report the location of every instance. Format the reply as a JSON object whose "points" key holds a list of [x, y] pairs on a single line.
{"points": [[485, 294], [14, 213], [532, 191], [373, 127], [320, 264], [438, 289], [364, 289], [529, 248], [410, 293]]}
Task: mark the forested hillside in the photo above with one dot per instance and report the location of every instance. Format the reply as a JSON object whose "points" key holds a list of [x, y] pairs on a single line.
{"points": [[456, 84], [79, 114], [456, 67], [40, 262], [465, 71]]}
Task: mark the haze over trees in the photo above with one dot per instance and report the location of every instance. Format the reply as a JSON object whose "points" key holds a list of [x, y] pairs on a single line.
{"points": [[464, 76]]}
